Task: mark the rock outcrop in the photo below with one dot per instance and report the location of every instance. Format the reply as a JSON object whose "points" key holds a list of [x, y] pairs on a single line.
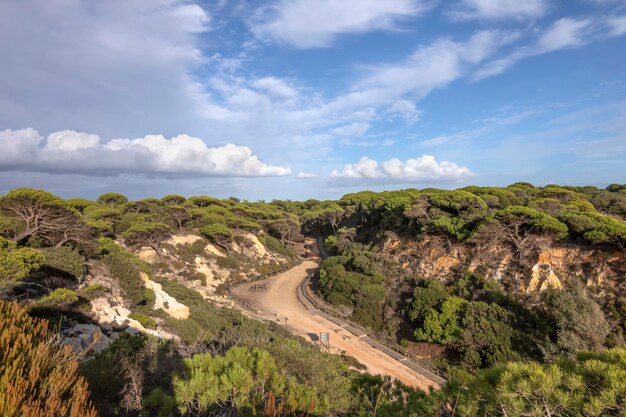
{"points": [[550, 266], [165, 301]]}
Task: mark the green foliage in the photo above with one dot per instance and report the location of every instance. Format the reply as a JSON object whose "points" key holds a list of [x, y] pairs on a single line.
{"points": [[593, 384], [533, 221], [79, 204], [145, 320], [101, 213], [579, 322], [159, 404], [205, 321], [16, 263], [383, 396], [112, 199], [203, 201], [443, 325], [427, 295], [368, 303], [59, 298], [216, 232], [240, 380], [173, 199], [362, 292], [227, 262], [126, 268], [66, 259], [486, 339], [273, 245], [106, 374], [453, 213], [93, 291], [147, 233]]}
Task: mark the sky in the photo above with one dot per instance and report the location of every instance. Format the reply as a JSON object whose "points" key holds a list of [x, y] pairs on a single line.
{"points": [[298, 99]]}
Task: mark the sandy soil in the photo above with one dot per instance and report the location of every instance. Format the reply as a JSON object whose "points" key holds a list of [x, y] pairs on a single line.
{"points": [[276, 299]]}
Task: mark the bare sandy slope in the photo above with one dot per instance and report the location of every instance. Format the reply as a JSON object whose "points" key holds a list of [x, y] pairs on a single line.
{"points": [[279, 301]]}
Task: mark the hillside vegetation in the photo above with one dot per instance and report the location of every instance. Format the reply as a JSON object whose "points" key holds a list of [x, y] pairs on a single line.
{"points": [[518, 292]]}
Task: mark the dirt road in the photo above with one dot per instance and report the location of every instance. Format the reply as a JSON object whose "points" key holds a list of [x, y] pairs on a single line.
{"points": [[276, 299]]}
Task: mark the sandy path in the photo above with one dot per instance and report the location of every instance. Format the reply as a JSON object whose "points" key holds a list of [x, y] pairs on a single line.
{"points": [[279, 301]]}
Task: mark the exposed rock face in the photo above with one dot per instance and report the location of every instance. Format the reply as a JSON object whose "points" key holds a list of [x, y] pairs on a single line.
{"points": [[117, 316], [256, 250], [186, 239], [165, 301], [543, 277], [550, 266]]}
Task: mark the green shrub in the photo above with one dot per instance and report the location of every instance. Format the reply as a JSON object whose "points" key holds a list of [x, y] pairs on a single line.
{"points": [[93, 291], [59, 298], [66, 259], [16, 263], [273, 245], [227, 262], [126, 268], [146, 321]]}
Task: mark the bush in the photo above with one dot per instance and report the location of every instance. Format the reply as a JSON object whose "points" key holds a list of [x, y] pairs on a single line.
{"points": [[65, 259], [93, 291], [273, 245], [146, 321], [38, 378], [126, 268], [16, 263], [59, 298], [228, 262]]}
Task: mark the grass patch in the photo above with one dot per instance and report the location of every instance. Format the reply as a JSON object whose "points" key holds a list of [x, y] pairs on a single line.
{"points": [[146, 321], [93, 291]]}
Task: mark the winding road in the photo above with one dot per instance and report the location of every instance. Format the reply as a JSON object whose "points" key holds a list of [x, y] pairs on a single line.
{"points": [[280, 298]]}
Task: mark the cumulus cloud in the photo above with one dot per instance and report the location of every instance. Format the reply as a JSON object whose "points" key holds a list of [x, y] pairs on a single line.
{"points": [[364, 168], [424, 168], [71, 152], [305, 175], [499, 9], [316, 23]]}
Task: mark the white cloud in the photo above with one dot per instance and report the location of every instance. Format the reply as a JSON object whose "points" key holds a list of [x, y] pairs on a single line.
{"points": [[112, 67], [424, 168], [352, 129], [562, 34], [154, 155], [69, 140], [617, 25], [364, 168], [405, 109], [275, 87], [426, 69], [499, 9], [316, 23], [305, 175]]}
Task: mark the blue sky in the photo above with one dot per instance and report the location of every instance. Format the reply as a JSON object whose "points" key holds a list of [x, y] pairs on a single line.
{"points": [[309, 99]]}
